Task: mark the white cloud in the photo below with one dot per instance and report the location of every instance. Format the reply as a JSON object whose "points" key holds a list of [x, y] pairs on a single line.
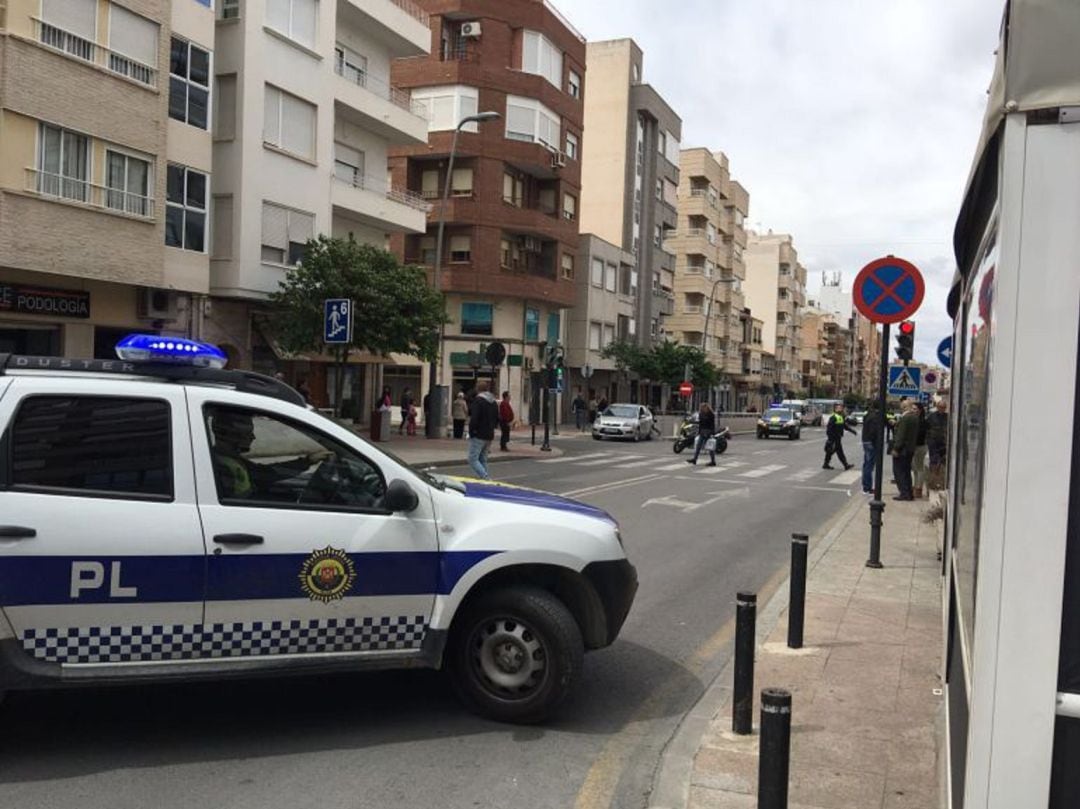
{"points": [[851, 124]]}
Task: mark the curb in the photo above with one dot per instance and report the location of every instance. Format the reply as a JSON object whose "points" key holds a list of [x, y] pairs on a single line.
{"points": [[671, 784]]}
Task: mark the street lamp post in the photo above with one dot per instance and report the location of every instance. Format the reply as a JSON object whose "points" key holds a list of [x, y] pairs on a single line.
{"points": [[435, 403], [708, 313]]}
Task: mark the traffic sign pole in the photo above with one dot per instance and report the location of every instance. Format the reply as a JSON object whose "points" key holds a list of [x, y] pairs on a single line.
{"points": [[877, 505]]}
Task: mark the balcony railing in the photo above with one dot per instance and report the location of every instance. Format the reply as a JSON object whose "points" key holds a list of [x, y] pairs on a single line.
{"points": [[84, 192], [354, 178], [412, 9], [380, 87], [83, 49], [693, 308]]}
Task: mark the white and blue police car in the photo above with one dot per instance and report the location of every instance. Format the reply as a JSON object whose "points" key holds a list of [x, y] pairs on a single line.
{"points": [[163, 518]]}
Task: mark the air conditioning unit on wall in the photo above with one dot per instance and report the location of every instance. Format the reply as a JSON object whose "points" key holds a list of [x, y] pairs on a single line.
{"points": [[156, 304], [558, 160], [470, 30]]}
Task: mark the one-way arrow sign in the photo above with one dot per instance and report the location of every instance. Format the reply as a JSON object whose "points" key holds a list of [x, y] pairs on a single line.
{"points": [[904, 381]]}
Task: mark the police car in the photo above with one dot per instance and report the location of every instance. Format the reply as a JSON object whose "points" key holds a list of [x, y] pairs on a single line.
{"points": [[163, 518]]}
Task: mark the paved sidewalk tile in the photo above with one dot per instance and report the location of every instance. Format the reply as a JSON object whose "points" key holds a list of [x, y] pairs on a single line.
{"points": [[865, 689]]}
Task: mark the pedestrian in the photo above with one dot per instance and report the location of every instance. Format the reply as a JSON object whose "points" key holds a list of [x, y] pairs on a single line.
{"points": [[905, 439], [506, 421], [410, 424], [406, 406], [578, 407], [871, 436], [592, 406], [918, 460], [706, 429], [602, 405], [386, 401], [426, 404], [834, 437], [483, 416], [937, 437], [460, 413]]}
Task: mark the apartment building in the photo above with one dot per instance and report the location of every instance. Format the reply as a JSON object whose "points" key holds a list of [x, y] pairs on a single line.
{"points": [[710, 308], [303, 117], [510, 256], [815, 360], [775, 291], [105, 171], [630, 178], [864, 356]]}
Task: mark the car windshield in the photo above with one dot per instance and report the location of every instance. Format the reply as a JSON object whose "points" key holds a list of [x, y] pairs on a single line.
{"points": [[775, 413], [622, 411]]}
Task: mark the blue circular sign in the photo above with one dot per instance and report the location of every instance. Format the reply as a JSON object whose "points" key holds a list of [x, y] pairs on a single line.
{"points": [[888, 290], [944, 352]]}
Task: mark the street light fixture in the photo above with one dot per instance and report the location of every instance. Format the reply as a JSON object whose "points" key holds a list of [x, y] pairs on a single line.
{"points": [[435, 404], [708, 313]]}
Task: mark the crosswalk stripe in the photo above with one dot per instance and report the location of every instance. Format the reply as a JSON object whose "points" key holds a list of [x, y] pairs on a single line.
{"points": [[763, 471], [671, 466], [804, 475], [635, 464], [604, 460], [846, 478], [712, 470], [568, 458]]}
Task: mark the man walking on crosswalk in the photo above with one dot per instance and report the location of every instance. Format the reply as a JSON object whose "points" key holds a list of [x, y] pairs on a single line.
{"points": [[834, 437]]}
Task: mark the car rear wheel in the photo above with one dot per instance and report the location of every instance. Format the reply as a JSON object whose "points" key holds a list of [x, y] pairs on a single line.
{"points": [[515, 654], [595, 437]]}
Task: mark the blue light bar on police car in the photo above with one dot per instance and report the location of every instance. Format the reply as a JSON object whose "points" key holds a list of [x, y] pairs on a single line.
{"points": [[176, 350]]}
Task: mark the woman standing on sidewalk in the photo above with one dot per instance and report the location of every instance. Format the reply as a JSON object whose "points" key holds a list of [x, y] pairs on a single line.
{"points": [[459, 412], [918, 461]]}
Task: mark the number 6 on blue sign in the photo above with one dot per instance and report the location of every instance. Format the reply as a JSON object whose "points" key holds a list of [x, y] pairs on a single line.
{"points": [[337, 320]]}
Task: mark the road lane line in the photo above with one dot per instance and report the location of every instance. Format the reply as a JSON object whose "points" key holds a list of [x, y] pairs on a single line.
{"points": [[804, 475], [569, 458], [832, 489], [605, 460], [635, 464], [613, 484], [763, 471], [673, 466]]}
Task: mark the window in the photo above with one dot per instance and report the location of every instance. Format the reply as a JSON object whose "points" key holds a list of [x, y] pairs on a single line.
{"points": [[573, 84], [658, 235], [529, 120], [230, 9], [427, 250], [63, 163], [460, 249], [622, 329], [553, 328], [225, 107], [351, 65], [127, 179], [222, 232], [571, 146], [532, 324], [429, 184], [189, 83], [540, 55], [569, 207], [710, 233], [513, 190], [461, 183], [659, 188], [133, 42], [669, 148], [661, 142], [445, 106], [568, 267], [349, 165], [597, 277], [94, 445], [609, 334], [70, 26], [671, 193], [594, 336], [289, 123], [476, 318], [505, 253], [295, 19], [611, 273], [185, 208], [624, 279], [265, 460], [285, 233]]}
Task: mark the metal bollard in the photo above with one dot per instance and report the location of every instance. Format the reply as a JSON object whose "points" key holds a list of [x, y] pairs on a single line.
{"points": [[797, 602], [774, 756], [533, 441], [742, 713], [877, 506]]}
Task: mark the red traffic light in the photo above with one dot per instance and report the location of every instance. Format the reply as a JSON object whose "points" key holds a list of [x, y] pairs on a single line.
{"points": [[907, 327]]}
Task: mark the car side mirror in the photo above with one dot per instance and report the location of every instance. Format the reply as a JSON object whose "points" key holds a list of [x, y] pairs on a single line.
{"points": [[400, 497]]}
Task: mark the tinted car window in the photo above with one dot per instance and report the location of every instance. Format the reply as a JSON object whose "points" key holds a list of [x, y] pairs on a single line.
{"points": [[622, 412], [783, 414], [93, 444]]}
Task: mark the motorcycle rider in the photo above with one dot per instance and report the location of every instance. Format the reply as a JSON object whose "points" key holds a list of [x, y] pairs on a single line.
{"points": [[706, 428]]}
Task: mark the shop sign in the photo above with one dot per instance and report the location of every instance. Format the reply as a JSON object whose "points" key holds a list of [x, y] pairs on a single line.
{"points": [[44, 301]]}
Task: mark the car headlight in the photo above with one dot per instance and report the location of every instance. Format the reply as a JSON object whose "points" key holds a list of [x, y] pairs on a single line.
{"points": [[761, 423]]}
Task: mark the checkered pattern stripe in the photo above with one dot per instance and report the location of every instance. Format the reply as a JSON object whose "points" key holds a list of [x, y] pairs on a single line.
{"points": [[127, 644]]}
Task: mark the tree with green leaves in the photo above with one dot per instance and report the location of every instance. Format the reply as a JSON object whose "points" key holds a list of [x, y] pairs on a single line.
{"points": [[393, 307]]}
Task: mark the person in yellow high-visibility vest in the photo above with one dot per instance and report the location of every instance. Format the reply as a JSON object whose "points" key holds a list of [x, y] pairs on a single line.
{"points": [[834, 436]]}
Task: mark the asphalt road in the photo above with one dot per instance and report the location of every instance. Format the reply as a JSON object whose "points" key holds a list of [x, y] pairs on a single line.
{"points": [[697, 535]]}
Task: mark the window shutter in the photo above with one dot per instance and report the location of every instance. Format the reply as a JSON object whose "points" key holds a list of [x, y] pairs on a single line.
{"points": [[77, 16], [133, 35], [349, 156], [277, 15], [275, 226], [520, 120], [462, 181], [530, 53], [272, 115], [298, 126], [429, 184], [442, 112], [225, 109], [223, 227], [301, 226], [304, 15], [460, 244]]}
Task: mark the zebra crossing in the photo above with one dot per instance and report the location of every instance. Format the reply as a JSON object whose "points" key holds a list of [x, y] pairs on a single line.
{"points": [[754, 468]]}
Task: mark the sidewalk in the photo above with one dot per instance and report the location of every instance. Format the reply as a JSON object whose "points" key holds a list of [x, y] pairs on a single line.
{"points": [[866, 691]]}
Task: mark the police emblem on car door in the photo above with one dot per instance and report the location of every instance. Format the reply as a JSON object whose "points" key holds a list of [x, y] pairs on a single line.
{"points": [[304, 557]]}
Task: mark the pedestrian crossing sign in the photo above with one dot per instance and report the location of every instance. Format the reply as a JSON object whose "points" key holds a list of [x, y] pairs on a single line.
{"points": [[904, 381]]}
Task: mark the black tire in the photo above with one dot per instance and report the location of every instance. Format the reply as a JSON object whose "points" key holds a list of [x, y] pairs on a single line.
{"points": [[793, 435], [678, 446], [595, 437], [524, 617], [721, 446]]}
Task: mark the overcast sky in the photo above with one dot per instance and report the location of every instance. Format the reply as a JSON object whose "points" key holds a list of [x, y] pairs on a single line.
{"points": [[852, 123]]}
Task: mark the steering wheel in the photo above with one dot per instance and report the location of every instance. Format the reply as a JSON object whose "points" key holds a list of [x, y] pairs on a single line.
{"points": [[326, 484]]}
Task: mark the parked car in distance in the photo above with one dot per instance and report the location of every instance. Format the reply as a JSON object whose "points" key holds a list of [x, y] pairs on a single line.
{"points": [[624, 421], [857, 417], [779, 421]]}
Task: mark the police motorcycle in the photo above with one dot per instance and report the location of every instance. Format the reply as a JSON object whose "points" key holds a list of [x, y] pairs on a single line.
{"points": [[688, 433]]}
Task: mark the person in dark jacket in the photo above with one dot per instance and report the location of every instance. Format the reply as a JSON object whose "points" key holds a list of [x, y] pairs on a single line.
{"points": [[918, 461], [871, 435], [937, 437], [506, 421], [905, 439], [483, 416], [406, 409], [834, 437], [706, 428]]}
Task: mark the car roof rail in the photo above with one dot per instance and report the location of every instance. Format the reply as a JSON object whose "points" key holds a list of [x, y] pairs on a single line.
{"points": [[243, 381]]}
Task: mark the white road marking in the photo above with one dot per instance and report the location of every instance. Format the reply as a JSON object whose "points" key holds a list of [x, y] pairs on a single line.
{"points": [[672, 466], [832, 489], [846, 478], [804, 475], [605, 460], [636, 464], [687, 507], [763, 451], [613, 484], [763, 471], [569, 458], [712, 470]]}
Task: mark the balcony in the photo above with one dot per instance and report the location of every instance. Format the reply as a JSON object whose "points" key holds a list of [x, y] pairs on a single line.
{"points": [[75, 191], [375, 105], [401, 25], [84, 50], [374, 202]]}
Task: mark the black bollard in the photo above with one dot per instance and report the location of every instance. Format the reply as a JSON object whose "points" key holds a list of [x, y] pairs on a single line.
{"points": [[774, 756], [742, 713], [797, 603], [876, 507]]}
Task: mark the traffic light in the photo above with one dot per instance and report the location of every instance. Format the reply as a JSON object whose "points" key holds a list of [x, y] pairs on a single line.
{"points": [[905, 341]]}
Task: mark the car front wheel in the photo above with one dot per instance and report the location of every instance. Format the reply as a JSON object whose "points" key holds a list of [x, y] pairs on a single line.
{"points": [[515, 654]]}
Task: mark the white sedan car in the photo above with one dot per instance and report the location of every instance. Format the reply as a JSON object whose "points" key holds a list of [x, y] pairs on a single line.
{"points": [[624, 421]]}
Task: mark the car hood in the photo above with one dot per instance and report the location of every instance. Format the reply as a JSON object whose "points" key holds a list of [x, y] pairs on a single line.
{"points": [[617, 421], [522, 496]]}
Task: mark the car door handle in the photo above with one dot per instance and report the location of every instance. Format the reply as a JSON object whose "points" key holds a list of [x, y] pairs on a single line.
{"points": [[16, 532], [238, 539]]}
